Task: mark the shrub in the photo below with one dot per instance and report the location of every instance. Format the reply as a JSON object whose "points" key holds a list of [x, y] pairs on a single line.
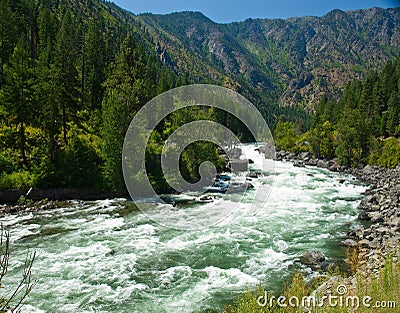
{"points": [[17, 180], [6, 162], [286, 136], [383, 289], [390, 155]]}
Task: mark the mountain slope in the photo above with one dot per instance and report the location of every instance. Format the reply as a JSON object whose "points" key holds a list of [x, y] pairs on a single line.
{"points": [[295, 60]]}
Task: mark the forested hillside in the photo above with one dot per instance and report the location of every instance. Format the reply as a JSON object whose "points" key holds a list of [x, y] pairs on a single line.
{"points": [[73, 73], [72, 76], [362, 127]]}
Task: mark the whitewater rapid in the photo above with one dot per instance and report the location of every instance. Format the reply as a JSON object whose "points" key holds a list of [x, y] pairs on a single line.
{"points": [[106, 256]]}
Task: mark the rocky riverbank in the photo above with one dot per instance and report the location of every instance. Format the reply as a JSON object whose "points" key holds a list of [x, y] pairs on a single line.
{"points": [[8, 196], [35, 206], [379, 209]]}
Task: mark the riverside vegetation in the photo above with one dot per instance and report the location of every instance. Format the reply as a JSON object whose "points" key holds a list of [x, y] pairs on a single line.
{"points": [[73, 74], [362, 127], [382, 291]]}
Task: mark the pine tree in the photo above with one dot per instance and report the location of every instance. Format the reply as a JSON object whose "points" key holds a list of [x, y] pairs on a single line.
{"points": [[47, 88], [94, 65], [47, 28], [7, 36], [349, 149], [67, 75], [17, 93], [393, 114], [47, 94], [121, 100]]}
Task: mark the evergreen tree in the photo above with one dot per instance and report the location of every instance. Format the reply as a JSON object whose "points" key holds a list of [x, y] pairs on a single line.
{"points": [[349, 149], [47, 89], [94, 65], [17, 93], [67, 75], [47, 29], [393, 114], [47, 94], [52, 90], [7, 35], [122, 99]]}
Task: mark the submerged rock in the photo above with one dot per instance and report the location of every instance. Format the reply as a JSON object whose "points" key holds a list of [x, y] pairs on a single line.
{"points": [[298, 163], [312, 258], [253, 174]]}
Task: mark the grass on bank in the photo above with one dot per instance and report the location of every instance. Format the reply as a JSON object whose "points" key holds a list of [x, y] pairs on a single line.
{"points": [[371, 293]]}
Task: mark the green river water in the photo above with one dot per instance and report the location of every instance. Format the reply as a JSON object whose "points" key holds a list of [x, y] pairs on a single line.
{"points": [[106, 256]]}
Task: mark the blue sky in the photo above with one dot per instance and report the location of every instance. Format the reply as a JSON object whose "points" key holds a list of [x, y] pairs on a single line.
{"points": [[224, 11]]}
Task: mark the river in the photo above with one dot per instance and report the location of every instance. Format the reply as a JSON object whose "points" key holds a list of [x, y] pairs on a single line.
{"points": [[106, 256]]}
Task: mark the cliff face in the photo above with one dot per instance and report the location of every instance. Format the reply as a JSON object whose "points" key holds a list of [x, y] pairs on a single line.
{"points": [[294, 60]]}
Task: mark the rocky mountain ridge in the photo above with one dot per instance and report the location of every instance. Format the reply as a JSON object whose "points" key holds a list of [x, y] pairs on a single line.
{"points": [[295, 60]]}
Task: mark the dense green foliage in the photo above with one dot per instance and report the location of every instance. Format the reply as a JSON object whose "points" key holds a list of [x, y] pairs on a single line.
{"points": [[72, 78], [73, 75], [362, 127]]}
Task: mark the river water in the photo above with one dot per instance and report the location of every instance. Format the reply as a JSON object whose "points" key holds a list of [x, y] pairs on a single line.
{"points": [[106, 256]]}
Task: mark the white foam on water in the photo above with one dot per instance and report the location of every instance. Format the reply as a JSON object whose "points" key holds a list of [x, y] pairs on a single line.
{"points": [[90, 258], [232, 278], [31, 309], [281, 245], [216, 280], [265, 260], [175, 275]]}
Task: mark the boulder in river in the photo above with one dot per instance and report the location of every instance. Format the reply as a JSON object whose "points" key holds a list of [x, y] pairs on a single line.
{"points": [[305, 156], [377, 218], [298, 163], [368, 170], [253, 174], [322, 164], [350, 243], [312, 258], [365, 243]]}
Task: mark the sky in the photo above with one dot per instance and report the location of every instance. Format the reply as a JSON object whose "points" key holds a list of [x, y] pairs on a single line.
{"points": [[223, 11]]}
